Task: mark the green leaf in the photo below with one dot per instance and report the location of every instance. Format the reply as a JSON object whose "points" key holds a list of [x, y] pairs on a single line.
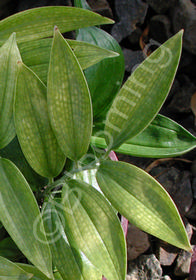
{"points": [[110, 71], [14, 153], [19, 214], [9, 270], [33, 127], [143, 94], [71, 263], [9, 55], [36, 55], [162, 138], [39, 22], [68, 100], [92, 226], [143, 201], [37, 274]]}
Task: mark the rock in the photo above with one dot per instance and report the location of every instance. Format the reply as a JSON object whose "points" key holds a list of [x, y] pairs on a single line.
{"points": [[178, 185], [6, 8], [181, 100], [137, 242], [184, 17], [191, 214], [166, 253], [134, 38], [101, 7], [194, 186], [145, 267], [183, 263], [129, 13], [160, 28], [132, 59], [161, 6], [24, 5]]}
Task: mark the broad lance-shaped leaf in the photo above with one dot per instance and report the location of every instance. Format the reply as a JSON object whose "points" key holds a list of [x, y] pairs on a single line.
{"points": [[9, 270], [143, 94], [109, 71], [69, 100], [36, 55], [70, 262], [162, 138], [92, 227], [39, 22], [143, 201], [20, 215], [33, 127], [9, 55]]}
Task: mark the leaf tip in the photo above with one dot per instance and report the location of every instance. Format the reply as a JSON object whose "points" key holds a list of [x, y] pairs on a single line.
{"points": [[56, 28]]}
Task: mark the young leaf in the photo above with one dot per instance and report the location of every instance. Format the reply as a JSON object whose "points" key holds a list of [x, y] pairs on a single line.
{"points": [[143, 94], [9, 55], [19, 214], [9, 270], [38, 23], [143, 201], [69, 100], [71, 263], [33, 127], [162, 138], [36, 55], [92, 226]]}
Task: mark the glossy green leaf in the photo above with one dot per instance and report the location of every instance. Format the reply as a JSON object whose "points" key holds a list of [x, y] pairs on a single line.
{"points": [[109, 71], [9, 55], [143, 94], [70, 262], [19, 214], [39, 22], [88, 176], [9, 270], [143, 201], [36, 55], [69, 101], [92, 226], [33, 127], [37, 274], [162, 138]]}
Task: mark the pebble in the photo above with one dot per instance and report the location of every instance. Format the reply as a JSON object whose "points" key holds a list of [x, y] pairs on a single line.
{"points": [[183, 263], [161, 6], [137, 242], [101, 7], [160, 26], [145, 267], [166, 253], [178, 185], [129, 13], [184, 17]]}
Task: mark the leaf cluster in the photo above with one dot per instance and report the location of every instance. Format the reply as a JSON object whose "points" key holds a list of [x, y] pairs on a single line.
{"points": [[63, 110]]}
